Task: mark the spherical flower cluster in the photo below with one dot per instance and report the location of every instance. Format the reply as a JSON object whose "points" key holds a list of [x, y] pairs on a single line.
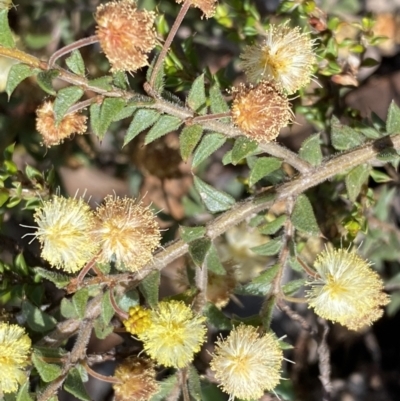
{"points": [[15, 346], [127, 233], [207, 6], [285, 57], [138, 320], [175, 334], [126, 34], [64, 232], [54, 134], [260, 111], [137, 378], [346, 290], [246, 363]]}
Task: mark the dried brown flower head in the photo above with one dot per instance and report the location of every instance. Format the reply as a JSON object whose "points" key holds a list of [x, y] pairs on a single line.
{"points": [[260, 111], [207, 6], [54, 134], [138, 380], [127, 232], [126, 34]]}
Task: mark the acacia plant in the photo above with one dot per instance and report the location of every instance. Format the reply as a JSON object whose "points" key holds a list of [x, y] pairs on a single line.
{"points": [[290, 227]]}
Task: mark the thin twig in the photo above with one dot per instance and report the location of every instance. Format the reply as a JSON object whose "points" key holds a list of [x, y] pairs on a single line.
{"points": [[324, 361]]}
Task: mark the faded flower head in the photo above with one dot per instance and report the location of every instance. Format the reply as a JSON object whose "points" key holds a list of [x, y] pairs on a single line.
{"points": [[207, 6], [64, 232], [260, 111], [53, 133], [15, 346], [138, 320], [246, 363], [175, 334], [126, 34], [221, 287], [285, 56], [137, 380], [127, 232], [347, 290]]}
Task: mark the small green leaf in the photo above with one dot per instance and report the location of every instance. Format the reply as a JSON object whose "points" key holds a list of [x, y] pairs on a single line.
{"points": [[197, 96], [67, 309], [143, 119], [216, 318], [303, 217], [126, 112], [214, 200], [165, 389], [163, 126], [16, 75], [213, 262], [128, 300], [194, 383], [242, 148], [107, 310], [149, 287], [45, 80], [208, 145], [272, 247], [60, 280], [355, 179], [6, 36], [198, 250], [102, 82], [393, 119], [120, 80], [344, 137], [74, 385], [75, 63], [189, 234], [261, 285], [310, 150], [80, 300], [379, 176], [227, 159], [95, 118], [101, 329], [388, 155], [110, 108], [262, 167], [158, 85], [47, 371], [293, 286], [218, 103], [273, 226], [37, 319], [23, 393], [65, 98], [189, 138]]}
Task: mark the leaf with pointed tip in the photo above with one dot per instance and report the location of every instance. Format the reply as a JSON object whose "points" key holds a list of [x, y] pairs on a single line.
{"points": [[273, 226], [272, 247], [303, 217], [23, 393], [149, 287], [310, 150], [197, 96], [65, 98], [166, 387], [189, 138], [393, 119], [355, 179], [80, 300], [74, 385], [6, 36], [37, 319], [163, 126], [16, 75], [110, 108], [242, 148], [60, 280], [107, 310], [213, 262], [45, 80], [293, 286], [198, 250], [143, 119], [216, 318], [262, 167], [47, 371], [67, 309], [189, 234], [343, 137], [218, 103], [194, 383], [208, 145], [261, 284], [75, 63], [95, 118], [214, 200]]}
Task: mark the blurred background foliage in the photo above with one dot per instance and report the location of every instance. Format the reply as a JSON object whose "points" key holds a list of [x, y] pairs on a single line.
{"points": [[356, 78]]}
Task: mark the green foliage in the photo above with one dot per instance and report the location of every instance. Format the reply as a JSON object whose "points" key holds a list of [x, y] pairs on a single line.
{"points": [[208, 145], [262, 167], [303, 217], [17, 74], [189, 138], [74, 385], [149, 288], [143, 119]]}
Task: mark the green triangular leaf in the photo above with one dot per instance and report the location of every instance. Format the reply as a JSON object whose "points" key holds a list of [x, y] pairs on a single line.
{"points": [[65, 98], [303, 217], [110, 107], [208, 145], [393, 119], [355, 179], [189, 138], [143, 119], [80, 300], [310, 150], [45, 80], [261, 285], [16, 75], [197, 96], [162, 127], [242, 148], [75, 63], [216, 318], [6, 36], [344, 137], [262, 167], [149, 287], [272, 247], [198, 250], [293, 286], [107, 310], [47, 371], [67, 309], [189, 234], [213, 262], [166, 387], [214, 200], [74, 385]]}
